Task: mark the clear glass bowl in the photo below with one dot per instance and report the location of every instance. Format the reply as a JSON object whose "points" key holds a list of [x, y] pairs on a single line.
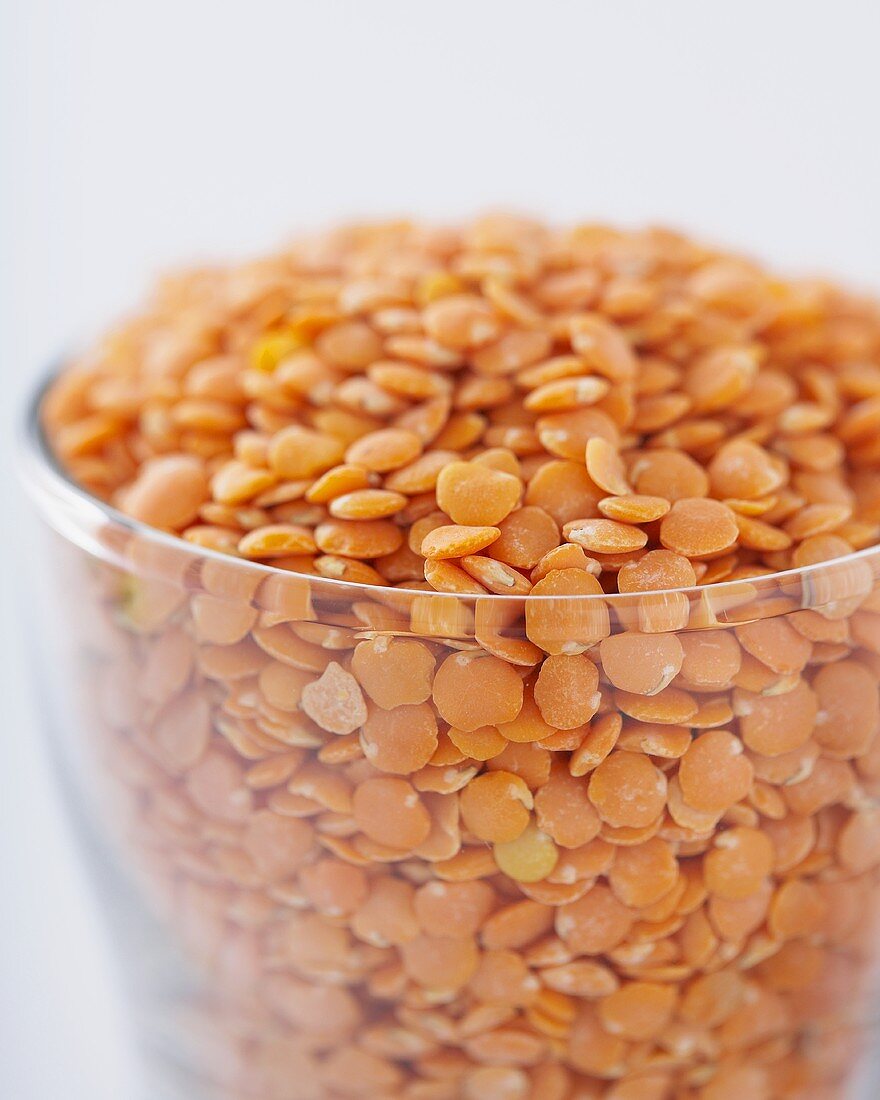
{"points": [[309, 880]]}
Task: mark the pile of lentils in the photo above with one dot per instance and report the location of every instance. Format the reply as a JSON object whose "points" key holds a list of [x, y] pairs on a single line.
{"points": [[500, 408]]}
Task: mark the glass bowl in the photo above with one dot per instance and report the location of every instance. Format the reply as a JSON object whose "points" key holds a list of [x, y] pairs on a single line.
{"points": [[370, 842]]}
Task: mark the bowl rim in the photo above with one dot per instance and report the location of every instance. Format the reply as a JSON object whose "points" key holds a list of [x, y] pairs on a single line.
{"points": [[48, 485]]}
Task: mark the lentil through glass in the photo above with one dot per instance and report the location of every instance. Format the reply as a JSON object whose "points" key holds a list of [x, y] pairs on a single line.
{"points": [[613, 835]]}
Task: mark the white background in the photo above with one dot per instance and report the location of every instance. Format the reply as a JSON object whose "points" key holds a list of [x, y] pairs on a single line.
{"points": [[138, 134]]}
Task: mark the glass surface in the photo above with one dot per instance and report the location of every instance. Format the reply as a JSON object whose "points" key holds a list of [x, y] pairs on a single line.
{"points": [[367, 842]]}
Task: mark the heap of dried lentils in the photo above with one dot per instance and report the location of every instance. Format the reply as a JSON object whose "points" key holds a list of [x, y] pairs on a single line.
{"points": [[470, 411], [600, 858]]}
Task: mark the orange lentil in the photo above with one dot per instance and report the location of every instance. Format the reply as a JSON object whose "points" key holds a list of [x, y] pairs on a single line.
{"points": [[394, 671], [528, 726], [367, 504], [605, 536], [402, 740], [817, 519], [641, 663], [564, 490], [334, 888], [734, 919], [828, 781], [566, 393], [530, 857], [563, 810], [714, 774], [849, 713], [698, 528], [296, 452], [670, 474], [776, 724], [385, 450], [237, 482], [596, 923], [560, 625], [483, 743], [667, 742], [775, 643], [657, 570], [858, 844], [566, 434], [720, 377], [277, 844], [602, 346], [456, 909], [567, 556], [797, 909], [516, 925], [526, 535], [638, 1010], [282, 686], [669, 706], [499, 458], [473, 690], [644, 873], [334, 701], [167, 492], [277, 540], [627, 790], [348, 344], [731, 1082], [353, 538], [742, 469], [440, 962], [420, 475], [738, 864], [711, 658], [491, 1082], [605, 466], [444, 576], [389, 811], [457, 542], [460, 321], [817, 548], [591, 1049], [633, 508], [756, 535], [566, 690], [496, 806], [599, 740], [475, 495], [583, 978], [495, 576]]}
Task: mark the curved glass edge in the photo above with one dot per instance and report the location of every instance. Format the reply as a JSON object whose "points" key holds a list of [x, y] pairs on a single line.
{"points": [[835, 587]]}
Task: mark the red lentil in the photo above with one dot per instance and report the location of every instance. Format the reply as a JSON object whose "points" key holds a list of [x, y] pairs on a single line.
{"points": [[627, 790]]}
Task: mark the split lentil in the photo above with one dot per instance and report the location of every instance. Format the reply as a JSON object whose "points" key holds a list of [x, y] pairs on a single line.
{"points": [[612, 835]]}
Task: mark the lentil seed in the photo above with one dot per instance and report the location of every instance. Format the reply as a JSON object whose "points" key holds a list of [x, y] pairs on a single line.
{"points": [[476, 495], [335, 701], [389, 811], [452, 541], [566, 690], [641, 663], [528, 858], [714, 774], [495, 806], [698, 528], [605, 536], [737, 865], [627, 790]]}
